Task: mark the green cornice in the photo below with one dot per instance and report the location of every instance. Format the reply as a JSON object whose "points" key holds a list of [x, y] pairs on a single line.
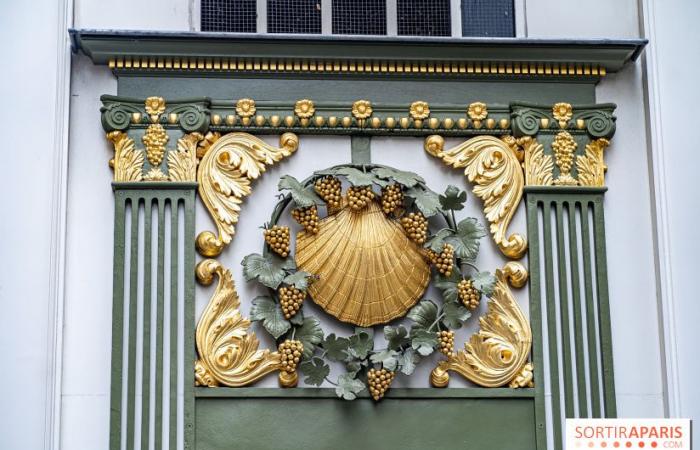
{"points": [[155, 52]]}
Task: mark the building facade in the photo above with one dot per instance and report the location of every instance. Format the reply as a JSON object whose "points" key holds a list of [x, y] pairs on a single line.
{"points": [[62, 241]]}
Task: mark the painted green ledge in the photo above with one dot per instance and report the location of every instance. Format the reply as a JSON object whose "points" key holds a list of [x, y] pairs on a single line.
{"points": [[357, 56]]}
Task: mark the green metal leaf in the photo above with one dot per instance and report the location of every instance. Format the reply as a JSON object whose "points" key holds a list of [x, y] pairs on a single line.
{"points": [[268, 270], [336, 347], [453, 198], [315, 371], [423, 341], [484, 282], [310, 334], [437, 240], [267, 311], [426, 201], [302, 196], [388, 358], [357, 177], [466, 242], [407, 179], [396, 337], [299, 280], [360, 345], [408, 361], [348, 387], [423, 314], [454, 315]]}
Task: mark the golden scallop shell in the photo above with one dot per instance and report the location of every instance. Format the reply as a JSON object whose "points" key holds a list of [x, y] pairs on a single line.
{"points": [[369, 271]]}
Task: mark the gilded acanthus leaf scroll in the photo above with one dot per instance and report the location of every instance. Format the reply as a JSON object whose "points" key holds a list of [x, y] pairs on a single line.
{"points": [[497, 354], [182, 164], [225, 174], [127, 162], [538, 166], [228, 351], [493, 166], [591, 166]]}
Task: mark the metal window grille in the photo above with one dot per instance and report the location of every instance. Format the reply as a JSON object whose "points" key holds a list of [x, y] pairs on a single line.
{"points": [[423, 18], [359, 17], [488, 18], [294, 16], [236, 16]]}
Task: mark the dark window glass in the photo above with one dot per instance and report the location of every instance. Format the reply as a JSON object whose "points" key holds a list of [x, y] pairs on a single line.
{"points": [[359, 17], [294, 16], [423, 18], [237, 16], [492, 18]]}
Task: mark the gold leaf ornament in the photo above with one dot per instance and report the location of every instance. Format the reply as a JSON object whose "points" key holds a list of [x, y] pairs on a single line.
{"points": [[228, 352], [591, 166], [493, 167], [182, 164], [538, 166], [127, 162], [498, 353], [225, 174]]}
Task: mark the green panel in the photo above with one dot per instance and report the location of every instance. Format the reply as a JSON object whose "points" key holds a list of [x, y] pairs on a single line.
{"points": [[145, 205], [560, 229], [329, 423]]}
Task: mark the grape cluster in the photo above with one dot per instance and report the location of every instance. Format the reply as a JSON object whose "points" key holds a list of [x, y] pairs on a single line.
{"points": [[469, 295], [447, 342], [392, 198], [359, 197], [291, 300], [379, 381], [290, 351], [307, 217], [277, 238], [330, 191], [444, 261], [155, 140], [416, 227]]}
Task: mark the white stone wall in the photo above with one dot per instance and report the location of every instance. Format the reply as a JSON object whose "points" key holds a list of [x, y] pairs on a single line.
{"points": [[651, 209]]}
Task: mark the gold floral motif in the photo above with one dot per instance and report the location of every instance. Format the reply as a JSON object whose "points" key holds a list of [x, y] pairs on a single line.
{"points": [[361, 109], [182, 164], [304, 109], [225, 174], [591, 166], [562, 112], [419, 110], [493, 167], [477, 111], [155, 174], [245, 107], [155, 140], [538, 166], [127, 162], [564, 148], [498, 353], [228, 352], [155, 106]]}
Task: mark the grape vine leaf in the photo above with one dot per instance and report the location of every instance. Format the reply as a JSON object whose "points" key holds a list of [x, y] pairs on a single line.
{"points": [[437, 240], [423, 341], [448, 285], [455, 314], [407, 179], [348, 386], [466, 241], [309, 334], [357, 177], [336, 347], [388, 358], [315, 370], [355, 365], [360, 345], [408, 361], [268, 270], [298, 318], [299, 280], [426, 200], [266, 310], [423, 314], [396, 337], [484, 282], [302, 196], [453, 198]]}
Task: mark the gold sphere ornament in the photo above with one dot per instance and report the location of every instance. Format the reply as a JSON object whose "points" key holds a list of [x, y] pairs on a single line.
{"points": [[379, 381], [277, 238]]}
